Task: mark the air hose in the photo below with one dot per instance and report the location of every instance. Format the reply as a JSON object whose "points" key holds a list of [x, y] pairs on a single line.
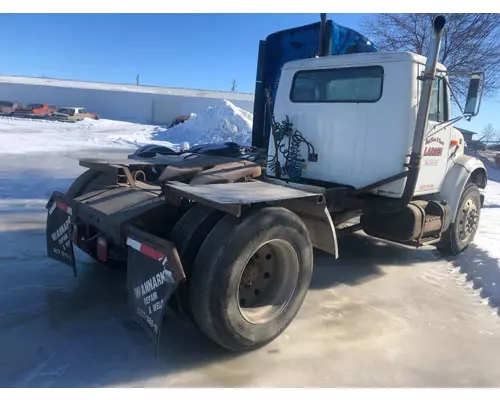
{"points": [[293, 165]]}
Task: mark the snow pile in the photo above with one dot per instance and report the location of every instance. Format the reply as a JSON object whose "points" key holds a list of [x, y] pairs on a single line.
{"points": [[480, 263], [218, 124], [488, 234]]}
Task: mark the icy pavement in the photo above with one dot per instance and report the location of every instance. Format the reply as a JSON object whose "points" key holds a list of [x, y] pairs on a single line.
{"points": [[381, 316], [386, 316]]}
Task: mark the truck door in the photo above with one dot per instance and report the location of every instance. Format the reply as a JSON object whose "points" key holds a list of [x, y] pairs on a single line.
{"points": [[436, 140]]}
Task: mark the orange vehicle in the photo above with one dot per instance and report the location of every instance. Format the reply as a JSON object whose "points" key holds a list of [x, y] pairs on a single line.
{"points": [[36, 110]]}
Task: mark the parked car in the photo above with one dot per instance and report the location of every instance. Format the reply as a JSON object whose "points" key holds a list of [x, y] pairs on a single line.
{"points": [[71, 114], [179, 120], [9, 107], [35, 110]]}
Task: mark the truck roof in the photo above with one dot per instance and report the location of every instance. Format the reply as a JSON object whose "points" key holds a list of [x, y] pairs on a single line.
{"points": [[355, 59]]}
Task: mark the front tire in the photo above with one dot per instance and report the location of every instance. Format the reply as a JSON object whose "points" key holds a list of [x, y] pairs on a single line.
{"points": [[463, 229], [251, 277]]}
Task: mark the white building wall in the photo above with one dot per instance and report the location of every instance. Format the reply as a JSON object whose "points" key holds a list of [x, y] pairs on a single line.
{"points": [[124, 105]]}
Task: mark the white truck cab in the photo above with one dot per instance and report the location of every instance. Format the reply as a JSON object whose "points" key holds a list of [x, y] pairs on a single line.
{"points": [[381, 124], [359, 112]]}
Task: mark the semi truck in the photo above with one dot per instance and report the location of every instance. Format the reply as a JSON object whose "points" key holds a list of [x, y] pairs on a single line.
{"points": [[345, 139]]}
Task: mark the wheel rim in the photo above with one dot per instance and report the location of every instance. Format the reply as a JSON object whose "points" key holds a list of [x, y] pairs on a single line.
{"points": [[468, 221], [268, 281]]}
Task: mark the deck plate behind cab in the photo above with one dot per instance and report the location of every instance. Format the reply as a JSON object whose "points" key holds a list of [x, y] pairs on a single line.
{"points": [[230, 197]]}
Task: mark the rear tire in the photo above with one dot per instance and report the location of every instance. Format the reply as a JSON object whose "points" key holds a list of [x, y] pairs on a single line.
{"points": [[188, 235], [463, 229], [250, 278], [80, 184]]}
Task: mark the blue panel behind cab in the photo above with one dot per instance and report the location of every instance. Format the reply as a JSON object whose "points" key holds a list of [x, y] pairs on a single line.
{"points": [[295, 44]]}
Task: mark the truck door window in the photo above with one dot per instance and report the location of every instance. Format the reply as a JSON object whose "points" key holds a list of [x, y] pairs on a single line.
{"points": [[307, 89], [437, 108], [341, 85]]}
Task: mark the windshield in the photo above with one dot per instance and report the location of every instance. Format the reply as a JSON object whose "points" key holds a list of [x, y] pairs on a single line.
{"points": [[35, 105], [68, 111]]}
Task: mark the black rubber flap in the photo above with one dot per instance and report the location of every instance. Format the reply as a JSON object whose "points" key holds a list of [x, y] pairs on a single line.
{"points": [[153, 274], [58, 231]]}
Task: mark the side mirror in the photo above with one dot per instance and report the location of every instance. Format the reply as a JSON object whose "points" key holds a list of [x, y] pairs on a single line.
{"points": [[473, 100]]}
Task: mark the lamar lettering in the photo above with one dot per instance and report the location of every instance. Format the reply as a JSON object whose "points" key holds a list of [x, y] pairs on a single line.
{"points": [[433, 151]]}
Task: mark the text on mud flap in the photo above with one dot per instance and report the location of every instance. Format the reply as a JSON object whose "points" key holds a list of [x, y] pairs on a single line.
{"points": [[152, 284], [61, 230], [61, 237]]}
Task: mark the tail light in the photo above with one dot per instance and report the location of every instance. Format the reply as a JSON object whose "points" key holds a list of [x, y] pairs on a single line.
{"points": [[74, 233], [102, 249]]}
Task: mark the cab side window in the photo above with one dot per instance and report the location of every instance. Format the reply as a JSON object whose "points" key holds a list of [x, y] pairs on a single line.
{"points": [[340, 85], [438, 110]]}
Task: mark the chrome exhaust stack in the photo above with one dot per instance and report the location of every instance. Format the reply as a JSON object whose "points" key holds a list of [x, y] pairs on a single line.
{"points": [[422, 118], [425, 94]]}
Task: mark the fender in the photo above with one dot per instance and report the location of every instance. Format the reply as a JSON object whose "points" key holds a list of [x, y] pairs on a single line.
{"points": [[236, 198], [320, 226], [464, 169]]}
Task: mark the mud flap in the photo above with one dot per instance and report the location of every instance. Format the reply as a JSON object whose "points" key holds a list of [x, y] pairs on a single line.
{"points": [[154, 271], [58, 231]]}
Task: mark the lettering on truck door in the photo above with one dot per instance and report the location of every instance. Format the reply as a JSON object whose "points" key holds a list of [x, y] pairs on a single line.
{"points": [[437, 138]]}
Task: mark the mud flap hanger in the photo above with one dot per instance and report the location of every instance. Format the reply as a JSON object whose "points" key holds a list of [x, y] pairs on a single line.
{"points": [[154, 271]]}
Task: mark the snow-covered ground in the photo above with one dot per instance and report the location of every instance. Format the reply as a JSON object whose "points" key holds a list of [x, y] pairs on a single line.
{"points": [[222, 123], [481, 262]]}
